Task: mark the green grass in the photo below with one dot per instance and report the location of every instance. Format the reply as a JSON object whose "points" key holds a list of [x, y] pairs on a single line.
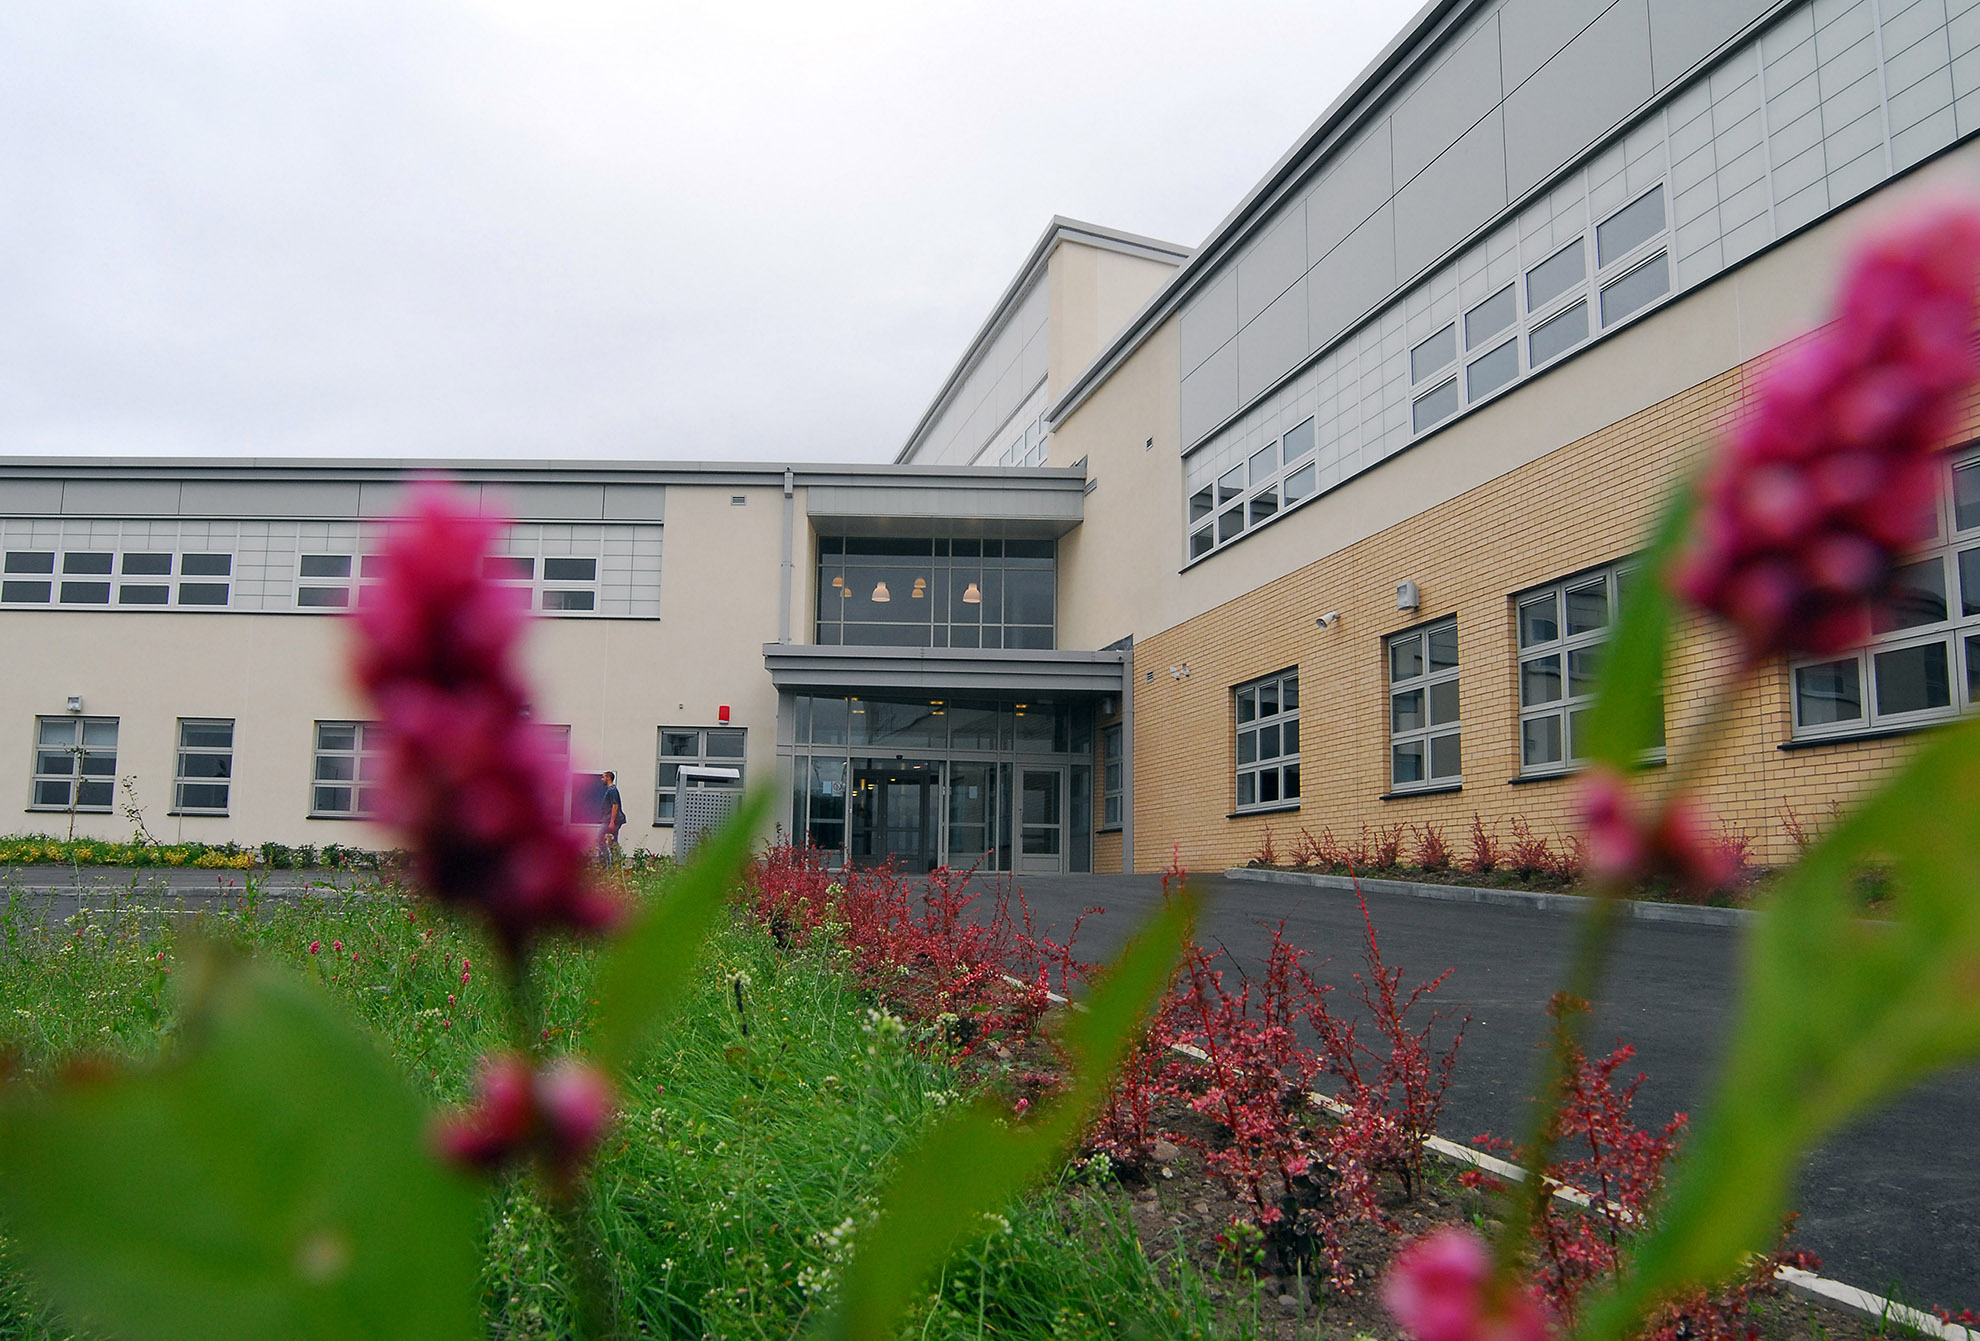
{"points": [[742, 1171]]}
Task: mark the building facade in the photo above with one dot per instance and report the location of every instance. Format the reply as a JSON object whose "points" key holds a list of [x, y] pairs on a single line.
{"points": [[1319, 526]]}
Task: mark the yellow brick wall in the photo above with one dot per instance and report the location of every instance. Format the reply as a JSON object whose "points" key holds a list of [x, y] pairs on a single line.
{"points": [[1582, 505]]}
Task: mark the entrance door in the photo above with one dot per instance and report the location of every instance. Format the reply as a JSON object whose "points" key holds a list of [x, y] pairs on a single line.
{"points": [[896, 812], [1041, 820], [973, 813]]}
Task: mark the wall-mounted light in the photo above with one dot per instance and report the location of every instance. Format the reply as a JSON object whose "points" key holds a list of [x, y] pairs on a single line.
{"points": [[1408, 596], [1328, 620], [75, 703], [1179, 672], [972, 595], [880, 593]]}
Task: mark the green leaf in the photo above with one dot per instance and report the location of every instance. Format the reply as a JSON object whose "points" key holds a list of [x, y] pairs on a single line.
{"points": [[647, 970], [272, 1181], [972, 1162], [1628, 716], [1838, 1015]]}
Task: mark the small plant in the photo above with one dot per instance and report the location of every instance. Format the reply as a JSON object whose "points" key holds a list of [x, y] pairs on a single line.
{"points": [[1528, 854], [1432, 852], [1266, 855], [1483, 855], [1385, 849]]}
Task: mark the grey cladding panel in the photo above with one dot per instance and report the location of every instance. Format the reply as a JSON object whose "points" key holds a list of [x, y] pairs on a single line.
{"points": [[31, 497], [1444, 204], [1684, 32], [1273, 345], [1355, 276], [1584, 91], [155, 497], [1448, 102], [1531, 31], [635, 502], [1271, 264], [271, 498], [387, 498], [1210, 394], [1352, 190], [1209, 321], [548, 502]]}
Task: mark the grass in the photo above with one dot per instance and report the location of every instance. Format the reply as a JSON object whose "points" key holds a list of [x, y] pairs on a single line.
{"points": [[745, 1163]]}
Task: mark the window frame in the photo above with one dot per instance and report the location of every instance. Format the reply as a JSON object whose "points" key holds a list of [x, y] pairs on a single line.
{"points": [[1565, 707], [78, 774], [181, 779], [666, 798], [1113, 776], [1283, 765], [367, 746], [1424, 682], [1958, 632], [1231, 502]]}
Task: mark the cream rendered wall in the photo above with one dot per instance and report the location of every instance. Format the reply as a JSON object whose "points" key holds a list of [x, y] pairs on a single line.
{"points": [[1093, 293], [1131, 540], [614, 681]]}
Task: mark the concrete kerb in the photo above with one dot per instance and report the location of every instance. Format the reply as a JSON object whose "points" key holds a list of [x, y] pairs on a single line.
{"points": [[1638, 910]]}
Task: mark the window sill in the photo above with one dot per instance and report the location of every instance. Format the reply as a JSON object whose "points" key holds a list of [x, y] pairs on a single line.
{"points": [[336, 815], [663, 824], [1441, 789], [1116, 828], [1874, 733], [203, 814], [1264, 810], [1657, 758], [80, 810]]}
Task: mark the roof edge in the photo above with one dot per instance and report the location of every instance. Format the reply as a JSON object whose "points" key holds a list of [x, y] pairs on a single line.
{"points": [[1060, 229]]}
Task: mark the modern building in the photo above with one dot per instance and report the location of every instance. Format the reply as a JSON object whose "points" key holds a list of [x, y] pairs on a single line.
{"points": [[1320, 525]]}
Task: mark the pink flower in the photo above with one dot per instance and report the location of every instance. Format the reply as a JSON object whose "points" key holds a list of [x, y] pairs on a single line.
{"points": [[557, 1113], [471, 785], [576, 1101], [465, 975], [337, 946], [314, 946], [500, 1121], [1627, 844], [1439, 1288], [1804, 519]]}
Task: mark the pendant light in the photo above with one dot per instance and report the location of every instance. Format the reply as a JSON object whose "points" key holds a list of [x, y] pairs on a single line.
{"points": [[972, 595], [880, 593], [920, 591]]}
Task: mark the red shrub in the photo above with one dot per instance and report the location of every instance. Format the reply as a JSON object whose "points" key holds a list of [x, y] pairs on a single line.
{"points": [[1266, 855], [1432, 852], [1483, 859], [1385, 852], [1529, 854]]}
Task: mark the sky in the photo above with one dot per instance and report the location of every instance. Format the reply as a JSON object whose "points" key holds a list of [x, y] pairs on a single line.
{"points": [[574, 229]]}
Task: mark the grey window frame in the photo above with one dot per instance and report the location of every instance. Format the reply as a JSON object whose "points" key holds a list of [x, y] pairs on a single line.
{"points": [[367, 747], [81, 751], [1249, 498], [1113, 775], [1564, 645], [1947, 543], [1424, 682], [1284, 764], [666, 797], [181, 779]]}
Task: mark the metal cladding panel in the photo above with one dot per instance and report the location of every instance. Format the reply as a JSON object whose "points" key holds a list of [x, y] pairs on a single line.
{"points": [[1271, 264], [635, 502], [387, 498], [1354, 188], [1531, 32], [1273, 345], [1210, 394], [269, 498], [31, 497], [549, 502], [1447, 102], [1013, 502], [1587, 88], [1208, 322], [1444, 204], [121, 496], [1353, 278], [929, 671], [1683, 32]]}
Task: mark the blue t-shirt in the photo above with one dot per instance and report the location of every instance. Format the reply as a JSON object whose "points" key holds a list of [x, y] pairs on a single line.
{"points": [[608, 804]]}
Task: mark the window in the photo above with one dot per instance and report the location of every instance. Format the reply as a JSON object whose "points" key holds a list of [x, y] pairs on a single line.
{"points": [[27, 590], [1267, 713], [694, 747], [1556, 335], [1423, 707], [1488, 372], [1923, 660], [1254, 491], [1112, 776], [1636, 290], [1630, 227], [326, 581], [1433, 355], [1430, 410], [349, 762], [889, 591], [75, 763], [209, 566], [1554, 276], [206, 766], [1490, 317], [1562, 629]]}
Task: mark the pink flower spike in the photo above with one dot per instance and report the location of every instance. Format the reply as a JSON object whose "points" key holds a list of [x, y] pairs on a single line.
{"points": [[576, 1101], [315, 946], [1439, 1289], [1805, 518], [1628, 842], [337, 946], [499, 1123]]}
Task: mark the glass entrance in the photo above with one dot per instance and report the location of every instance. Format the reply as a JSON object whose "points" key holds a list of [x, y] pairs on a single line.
{"points": [[1041, 820], [896, 812], [973, 814]]}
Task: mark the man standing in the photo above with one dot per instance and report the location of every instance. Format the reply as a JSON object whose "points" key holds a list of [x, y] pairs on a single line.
{"points": [[612, 818]]}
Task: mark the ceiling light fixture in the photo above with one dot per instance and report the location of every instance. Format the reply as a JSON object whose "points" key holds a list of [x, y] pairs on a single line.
{"points": [[972, 595], [880, 593]]}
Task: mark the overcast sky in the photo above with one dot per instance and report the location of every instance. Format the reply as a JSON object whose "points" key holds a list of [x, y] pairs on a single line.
{"points": [[571, 229]]}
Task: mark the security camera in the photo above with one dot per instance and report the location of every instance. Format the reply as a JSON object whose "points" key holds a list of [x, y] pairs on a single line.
{"points": [[1328, 620]]}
